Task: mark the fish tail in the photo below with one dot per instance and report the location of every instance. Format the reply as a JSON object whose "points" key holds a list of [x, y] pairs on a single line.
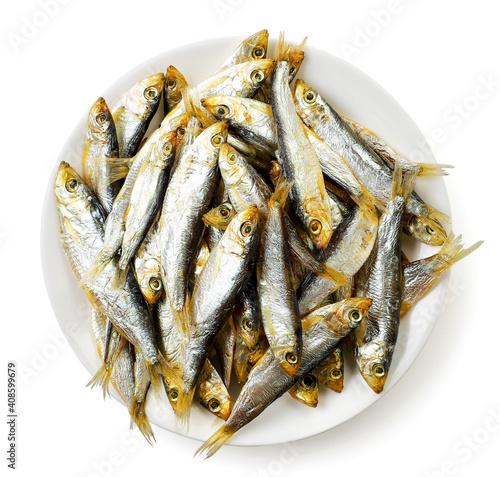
{"points": [[436, 215], [102, 378], [120, 277], [181, 317], [430, 170], [95, 270], [332, 275], [452, 250], [185, 397], [138, 416], [216, 441], [112, 168], [403, 180], [289, 52], [193, 106], [280, 194], [368, 201]]}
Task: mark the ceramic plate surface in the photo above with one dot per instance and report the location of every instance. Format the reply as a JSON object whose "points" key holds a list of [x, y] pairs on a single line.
{"points": [[353, 94]]}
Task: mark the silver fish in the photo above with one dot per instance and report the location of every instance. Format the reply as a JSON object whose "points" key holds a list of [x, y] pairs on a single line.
{"points": [[268, 381], [300, 162], [134, 110]]}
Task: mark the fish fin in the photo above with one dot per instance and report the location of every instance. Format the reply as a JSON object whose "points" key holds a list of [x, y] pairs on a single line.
{"points": [[332, 275], [194, 108], [429, 170], [185, 399], [95, 270], [452, 250], [436, 215], [138, 415], [102, 378], [117, 168], [181, 317], [287, 51], [403, 182], [280, 195], [120, 278], [214, 443]]}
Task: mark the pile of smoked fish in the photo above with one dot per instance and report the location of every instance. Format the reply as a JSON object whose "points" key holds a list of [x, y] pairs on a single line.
{"points": [[255, 231]]}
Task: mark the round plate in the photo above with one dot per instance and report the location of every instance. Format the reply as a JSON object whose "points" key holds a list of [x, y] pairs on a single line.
{"points": [[354, 95]]}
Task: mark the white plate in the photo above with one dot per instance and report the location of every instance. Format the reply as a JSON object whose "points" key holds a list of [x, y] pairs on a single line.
{"points": [[354, 95]]}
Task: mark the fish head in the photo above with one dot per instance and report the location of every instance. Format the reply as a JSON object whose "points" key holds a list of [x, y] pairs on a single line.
{"points": [[373, 360], [209, 142], [232, 165], [293, 55], [306, 390], [145, 95], [249, 76], [150, 281], [309, 105], [248, 323], [73, 195], [222, 107], [220, 216], [100, 121], [426, 229], [164, 150], [253, 47], [287, 354], [175, 83], [243, 233], [215, 398], [319, 225], [347, 314]]}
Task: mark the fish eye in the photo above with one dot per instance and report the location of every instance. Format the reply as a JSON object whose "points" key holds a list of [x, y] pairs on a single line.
{"points": [[430, 230], [181, 131], [310, 97], [155, 284], [292, 70], [258, 52], [167, 148], [173, 394], [378, 370], [224, 211], [217, 140], [231, 159], [292, 358], [257, 76], [315, 227], [171, 84], [222, 110], [102, 118], [247, 325], [214, 405], [308, 381], [71, 185], [150, 93], [336, 374], [355, 316], [246, 229]]}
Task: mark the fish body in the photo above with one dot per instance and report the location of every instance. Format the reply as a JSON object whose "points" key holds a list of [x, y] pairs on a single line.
{"points": [[376, 341], [277, 299], [134, 110], [188, 197], [222, 279], [424, 222], [268, 380], [101, 142], [300, 162]]}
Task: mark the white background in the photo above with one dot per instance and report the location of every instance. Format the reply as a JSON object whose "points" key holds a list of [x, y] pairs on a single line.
{"points": [[443, 417]]}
